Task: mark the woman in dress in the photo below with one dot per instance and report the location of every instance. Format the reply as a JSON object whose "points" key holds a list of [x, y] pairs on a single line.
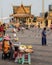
{"points": [[44, 37]]}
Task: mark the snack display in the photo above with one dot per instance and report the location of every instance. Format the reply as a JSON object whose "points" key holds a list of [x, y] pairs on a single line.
{"points": [[16, 39], [29, 46], [27, 49], [22, 47]]}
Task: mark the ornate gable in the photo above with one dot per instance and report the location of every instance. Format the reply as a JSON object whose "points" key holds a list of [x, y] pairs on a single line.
{"points": [[22, 9]]}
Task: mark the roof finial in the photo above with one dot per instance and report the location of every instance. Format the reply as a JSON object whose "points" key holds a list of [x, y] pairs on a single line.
{"points": [[21, 3]]}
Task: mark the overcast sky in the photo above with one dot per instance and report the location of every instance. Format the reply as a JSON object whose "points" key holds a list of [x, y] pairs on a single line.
{"points": [[36, 6]]}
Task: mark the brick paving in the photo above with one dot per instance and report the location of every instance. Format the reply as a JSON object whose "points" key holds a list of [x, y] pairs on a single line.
{"points": [[42, 54]]}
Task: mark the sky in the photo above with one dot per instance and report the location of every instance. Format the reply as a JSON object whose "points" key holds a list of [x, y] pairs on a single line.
{"points": [[6, 6]]}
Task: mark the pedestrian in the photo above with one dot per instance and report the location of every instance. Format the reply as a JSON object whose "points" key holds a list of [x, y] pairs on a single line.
{"points": [[18, 29], [6, 47], [11, 50], [22, 29], [4, 28], [44, 41]]}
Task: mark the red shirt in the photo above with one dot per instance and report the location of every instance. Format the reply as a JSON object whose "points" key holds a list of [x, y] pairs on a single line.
{"points": [[1, 28]]}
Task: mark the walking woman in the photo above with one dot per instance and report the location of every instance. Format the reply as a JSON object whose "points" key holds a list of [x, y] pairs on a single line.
{"points": [[44, 37]]}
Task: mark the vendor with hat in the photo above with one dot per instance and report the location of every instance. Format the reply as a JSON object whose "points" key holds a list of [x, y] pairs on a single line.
{"points": [[6, 46]]}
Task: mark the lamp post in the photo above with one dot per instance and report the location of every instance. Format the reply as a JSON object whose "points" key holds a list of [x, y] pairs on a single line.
{"points": [[1, 14], [1, 11], [43, 7]]}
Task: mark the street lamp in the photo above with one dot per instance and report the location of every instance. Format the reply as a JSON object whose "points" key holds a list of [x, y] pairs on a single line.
{"points": [[43, 7]]}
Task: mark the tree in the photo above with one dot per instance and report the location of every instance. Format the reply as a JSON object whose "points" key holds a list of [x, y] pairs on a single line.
{"points": [[46, 22], [46, 15], [35, 18]]}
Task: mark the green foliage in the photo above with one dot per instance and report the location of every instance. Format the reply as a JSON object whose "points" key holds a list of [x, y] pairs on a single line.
{"points": [[46, 15], [35, 18]]}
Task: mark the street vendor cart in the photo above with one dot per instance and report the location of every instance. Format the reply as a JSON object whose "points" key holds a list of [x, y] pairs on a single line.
{"points": [[23, 54]]}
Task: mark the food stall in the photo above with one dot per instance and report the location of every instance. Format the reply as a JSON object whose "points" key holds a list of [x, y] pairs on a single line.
{"points": [[24, 54]]}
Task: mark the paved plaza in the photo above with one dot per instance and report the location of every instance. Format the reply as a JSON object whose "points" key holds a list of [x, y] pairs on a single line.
{"points": [[42, 54]]}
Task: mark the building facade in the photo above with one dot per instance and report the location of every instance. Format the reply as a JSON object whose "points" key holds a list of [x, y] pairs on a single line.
{"points": [[22, 14]]}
